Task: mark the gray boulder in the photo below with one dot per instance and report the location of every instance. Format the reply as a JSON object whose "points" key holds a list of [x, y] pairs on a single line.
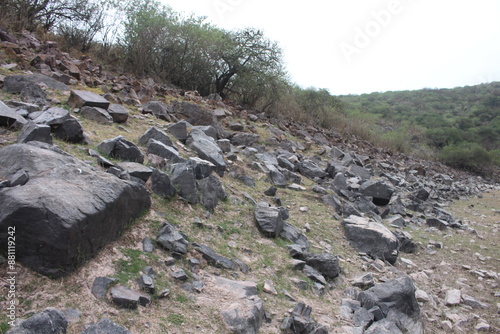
{"points": [[269, 219], [158, 109], [327, 264], [82, 98], [193, 113], [49, 321], [52, 116], [118, 112], [97, 114], [179, 130], [156, 134], [215, 259], [16, 83], [101, 285], [207, 149], [211, 191], [136, 169], [70, 130], [396, 299], [34, 132], [9, 118], [310, 169], [121, 148], [244, 139], [161, 184], [184, 181], [105, 326], [294, 235], [163, 150], [379, 190], [67, 211], [125, 298], [172, 240], [372, 238]]}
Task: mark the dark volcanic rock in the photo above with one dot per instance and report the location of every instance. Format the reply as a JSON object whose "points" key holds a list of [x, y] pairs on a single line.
{"points": [[70, 130], [105, 326], [136, 169], [163, 150], [125, 297], [372, 238], [184, 181], [396, 299], [66, 212], [211, 191], [294, 235], [327, 264], [269, 219], [379, 190], [34, 132], [215, 259], [157, 134], [8, 117], [158, 109], [101, 285], [161, 184], [16, 83], [194, 114], [97, 114], [207, 149], [172, 240], [49, 321], [310, 169], [121, 148], [82, 98], [118, 112]]}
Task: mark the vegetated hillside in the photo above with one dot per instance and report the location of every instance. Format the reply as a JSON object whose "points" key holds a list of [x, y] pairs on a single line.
{"points": [[461, 124]]}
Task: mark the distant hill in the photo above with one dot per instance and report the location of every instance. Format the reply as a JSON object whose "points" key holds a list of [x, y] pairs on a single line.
{"points": [[441, 119]]}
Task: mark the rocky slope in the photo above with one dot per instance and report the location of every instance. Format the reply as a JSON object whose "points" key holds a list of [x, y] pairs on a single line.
{"points": [[154, 210]]}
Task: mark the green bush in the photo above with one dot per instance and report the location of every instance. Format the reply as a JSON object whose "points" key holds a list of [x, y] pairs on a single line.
{"points": [[466, 156]]}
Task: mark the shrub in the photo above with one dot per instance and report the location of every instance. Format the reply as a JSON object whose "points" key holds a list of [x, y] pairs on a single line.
{"points": [[466, 156]]}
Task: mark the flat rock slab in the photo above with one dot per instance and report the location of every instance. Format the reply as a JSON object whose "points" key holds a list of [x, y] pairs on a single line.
{"points": [[16, 83], [8, 117], [49, 321], [372, 238], [125, 297], [118, 112], [82, 98], [67, 211], [105, 326], [136, 169]]}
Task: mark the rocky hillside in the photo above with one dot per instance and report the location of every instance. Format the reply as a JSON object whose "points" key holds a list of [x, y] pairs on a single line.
{"points": [[133, 207]]}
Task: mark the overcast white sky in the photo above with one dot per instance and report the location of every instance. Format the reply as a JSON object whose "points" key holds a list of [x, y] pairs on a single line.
{"points": [[363, 46]]}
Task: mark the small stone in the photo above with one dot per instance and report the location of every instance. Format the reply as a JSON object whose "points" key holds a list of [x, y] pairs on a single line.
{"points": [[269, 288], [296, 187], [453, 297], [422, 296], [303, 209], [179, 275], [483, 327], [447, 325], [164, 294]]}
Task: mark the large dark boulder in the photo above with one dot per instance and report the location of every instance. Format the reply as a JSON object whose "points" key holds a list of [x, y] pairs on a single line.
{"points": [[34, 132], [207, 149], [70, 130], [157, 134], [310, 169], [396, 299], [49, 321], [164, 150], [172, 240], [105, 326], [269, 219], [118, 112], [121, 148], [193, 113], [211, 191], [16, 83], [8, 117], [82, 98], [379, 190], [158, 109], [184, 181], [327, 264], [66, 212], [372, 238]]}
